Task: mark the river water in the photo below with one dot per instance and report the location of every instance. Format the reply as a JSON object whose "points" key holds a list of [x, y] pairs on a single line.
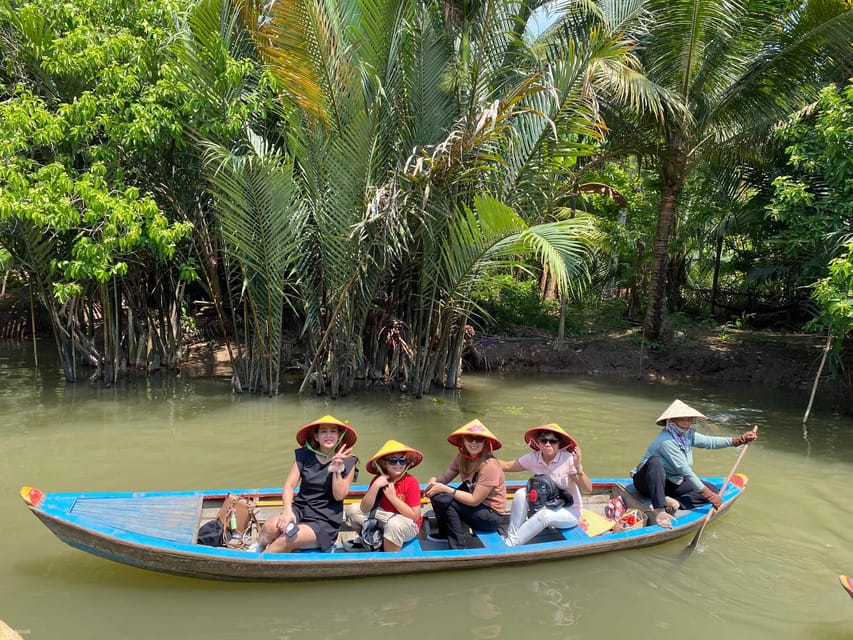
{"points": [[768, 569]]}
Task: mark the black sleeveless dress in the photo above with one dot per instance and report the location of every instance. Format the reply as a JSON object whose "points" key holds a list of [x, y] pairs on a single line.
{"points": [[315, 504]]}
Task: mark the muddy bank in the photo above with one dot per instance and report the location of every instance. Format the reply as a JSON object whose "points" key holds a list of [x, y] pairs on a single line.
{"points": [[784, 361], [702, 354], [778, 360]]}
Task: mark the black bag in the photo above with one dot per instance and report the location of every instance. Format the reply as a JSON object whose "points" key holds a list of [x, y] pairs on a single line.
{"points": [[371, 534], [211, 534], [543, 492]]}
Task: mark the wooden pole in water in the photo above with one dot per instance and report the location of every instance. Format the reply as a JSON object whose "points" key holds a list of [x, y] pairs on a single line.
{"points": [[826, 350]]}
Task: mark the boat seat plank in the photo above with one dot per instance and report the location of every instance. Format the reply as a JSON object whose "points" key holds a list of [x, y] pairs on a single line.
{"points": [[165, 517]]}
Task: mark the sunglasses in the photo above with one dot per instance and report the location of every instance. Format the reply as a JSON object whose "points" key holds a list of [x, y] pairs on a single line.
{"points": [[546, 440], [475, 439], [397, 460]]}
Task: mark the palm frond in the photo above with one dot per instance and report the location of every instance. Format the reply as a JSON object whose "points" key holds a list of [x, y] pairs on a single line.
{"points": [[261, 224], [308, 52], [214, 41]]}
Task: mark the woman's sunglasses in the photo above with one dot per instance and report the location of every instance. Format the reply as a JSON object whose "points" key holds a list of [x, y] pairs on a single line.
{"points": [[546, 440], [475, 439], [397, 460]]}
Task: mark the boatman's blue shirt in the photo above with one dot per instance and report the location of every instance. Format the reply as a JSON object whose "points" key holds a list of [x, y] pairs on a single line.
{"points": [[678, 464]]}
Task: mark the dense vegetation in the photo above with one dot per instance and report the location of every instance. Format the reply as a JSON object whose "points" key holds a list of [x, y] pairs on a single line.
{"points": [[365, 180]]}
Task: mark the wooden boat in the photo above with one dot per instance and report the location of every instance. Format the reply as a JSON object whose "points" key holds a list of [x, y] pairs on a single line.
{"points": [[847, 583], [157, 531]]}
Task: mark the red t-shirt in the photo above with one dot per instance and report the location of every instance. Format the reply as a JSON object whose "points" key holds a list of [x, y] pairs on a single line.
{"points": [[408, 490]]}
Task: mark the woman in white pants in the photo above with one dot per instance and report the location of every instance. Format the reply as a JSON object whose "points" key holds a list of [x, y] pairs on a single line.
{"points": [[557, 455]]}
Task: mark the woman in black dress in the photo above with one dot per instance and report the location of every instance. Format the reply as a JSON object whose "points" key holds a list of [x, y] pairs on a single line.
{"points": [[324, 470]]}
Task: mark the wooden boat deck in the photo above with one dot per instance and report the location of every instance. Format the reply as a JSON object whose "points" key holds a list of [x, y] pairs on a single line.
{"points": [[172, 518]]}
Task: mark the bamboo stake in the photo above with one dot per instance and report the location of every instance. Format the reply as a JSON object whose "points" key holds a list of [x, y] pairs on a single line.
{"points": [[819, 371]]}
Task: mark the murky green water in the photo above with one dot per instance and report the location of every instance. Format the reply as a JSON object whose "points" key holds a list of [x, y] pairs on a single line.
{"points": [[766, 570]]}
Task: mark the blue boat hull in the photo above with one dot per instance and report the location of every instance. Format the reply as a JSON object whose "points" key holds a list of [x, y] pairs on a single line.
{"points": [[157, 530]]}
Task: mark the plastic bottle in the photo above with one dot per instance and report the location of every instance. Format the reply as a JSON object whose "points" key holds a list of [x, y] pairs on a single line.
{"points": [[233, 521]]}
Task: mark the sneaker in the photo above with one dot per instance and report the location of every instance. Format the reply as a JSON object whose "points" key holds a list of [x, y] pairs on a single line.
{"points": [[436, 538], [672, 505], [252, 548]]}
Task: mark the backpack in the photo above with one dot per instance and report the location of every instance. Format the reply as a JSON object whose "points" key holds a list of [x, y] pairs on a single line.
{"points": [[232, 526], [543, 492]]}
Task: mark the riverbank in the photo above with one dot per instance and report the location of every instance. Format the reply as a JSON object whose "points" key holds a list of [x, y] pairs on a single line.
{"points": [[787, 361], [702, 354], [697, 353], [773, 359]]}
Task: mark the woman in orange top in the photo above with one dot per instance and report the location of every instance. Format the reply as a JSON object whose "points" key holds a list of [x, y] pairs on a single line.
{"points": [[480, 500]]}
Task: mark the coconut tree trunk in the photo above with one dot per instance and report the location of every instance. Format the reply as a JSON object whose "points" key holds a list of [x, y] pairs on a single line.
{"points": [[673, 171]]}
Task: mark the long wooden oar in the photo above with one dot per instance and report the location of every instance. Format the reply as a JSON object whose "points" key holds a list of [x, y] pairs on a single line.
{"points": [[711, 511]]}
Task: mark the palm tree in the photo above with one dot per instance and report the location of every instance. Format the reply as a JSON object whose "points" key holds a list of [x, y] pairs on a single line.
{"points": [[415, 135], [736, 69]]}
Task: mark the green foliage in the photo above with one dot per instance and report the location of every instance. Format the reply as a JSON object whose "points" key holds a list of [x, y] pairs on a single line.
{"points": [[834, 296], [89, 135], [811, 212], [512, 304]]}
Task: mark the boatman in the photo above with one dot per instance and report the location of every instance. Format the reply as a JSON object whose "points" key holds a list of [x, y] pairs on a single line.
{"points": [[665, 472]]}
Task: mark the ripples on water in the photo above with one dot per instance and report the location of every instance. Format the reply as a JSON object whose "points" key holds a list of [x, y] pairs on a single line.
{"points": [[766, 570]]}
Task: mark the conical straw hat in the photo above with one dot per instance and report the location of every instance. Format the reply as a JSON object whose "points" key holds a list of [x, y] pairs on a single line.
{"points": [[566, 441], [678, 409], [304, 433], [473, 428], [392, 446]]}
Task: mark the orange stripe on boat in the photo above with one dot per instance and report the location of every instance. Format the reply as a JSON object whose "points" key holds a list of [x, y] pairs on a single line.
{"points": [[739, 480]]}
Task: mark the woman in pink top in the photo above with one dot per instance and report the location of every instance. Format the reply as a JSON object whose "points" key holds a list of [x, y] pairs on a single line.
{"points": [[480, 500], [556, 455]]}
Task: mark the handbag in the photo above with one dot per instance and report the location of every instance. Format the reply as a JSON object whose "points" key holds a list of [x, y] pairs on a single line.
{"points": [[237, 516], [371, 535]]}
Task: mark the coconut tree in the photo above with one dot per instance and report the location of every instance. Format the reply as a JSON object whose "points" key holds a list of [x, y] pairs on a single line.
{"points": [[737, 68]]}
